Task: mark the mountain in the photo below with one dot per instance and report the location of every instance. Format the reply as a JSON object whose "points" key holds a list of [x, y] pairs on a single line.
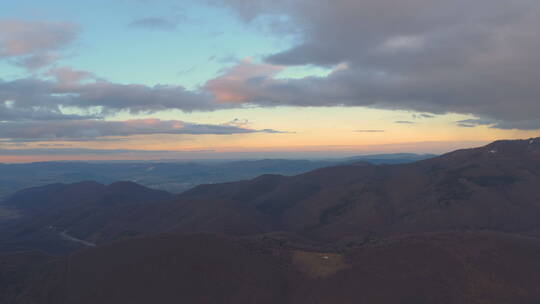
{"points": [[464, 268], [58, 197], [169, 176], [459, 228], [389, 159], [46, 214], [493, 187], [487, 188]]}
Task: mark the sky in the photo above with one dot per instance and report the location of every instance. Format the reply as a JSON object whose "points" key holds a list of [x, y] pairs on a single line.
{"points": [[180, 79]]}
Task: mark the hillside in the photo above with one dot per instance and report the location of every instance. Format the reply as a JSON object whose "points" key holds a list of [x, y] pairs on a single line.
{"points": [[459, 228], [450, 268], [488, 188], [48, 216], [169, 176]]}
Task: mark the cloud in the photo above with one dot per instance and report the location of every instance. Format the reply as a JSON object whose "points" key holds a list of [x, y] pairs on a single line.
{"points": [[241, 123], [370, 131], [38, 98], [8, 113], [66, 75], [428, 56], [52, 145], [405, 122], [432, 56], [82, 130], [466, 125], [37, 61], [153, 23], [78, 151], [235, 85], [533, 124], [471, 123], [137, 98], [33, 45], [423, 116]]}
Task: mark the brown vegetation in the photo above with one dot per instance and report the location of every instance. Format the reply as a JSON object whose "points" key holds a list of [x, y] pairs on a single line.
{"points": [[446, 230]]}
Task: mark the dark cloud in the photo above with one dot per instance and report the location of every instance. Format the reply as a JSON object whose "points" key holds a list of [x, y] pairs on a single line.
{"points": [[433, 56], [533, 124], [52, 145], [430, 56], [241, 123], [77, 151], [423, 116], [153, 23], [8, 113], [82, 130], [37, 61], [475, 122], [36, 98], [518, 125], [33, 45], [137, 98]]}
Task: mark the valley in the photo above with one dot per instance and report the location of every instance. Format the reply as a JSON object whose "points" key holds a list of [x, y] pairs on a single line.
{"points": [[457, 228]]}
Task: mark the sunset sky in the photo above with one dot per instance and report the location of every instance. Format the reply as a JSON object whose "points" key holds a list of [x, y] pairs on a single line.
{"points": [[181, 79]]}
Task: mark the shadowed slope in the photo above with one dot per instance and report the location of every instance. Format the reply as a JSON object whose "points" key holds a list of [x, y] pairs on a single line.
{"points": [[450, 268], [49, 213], [493, 187]]}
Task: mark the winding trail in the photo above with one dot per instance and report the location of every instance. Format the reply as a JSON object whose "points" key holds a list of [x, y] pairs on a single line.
{"points": [[68, 237]]}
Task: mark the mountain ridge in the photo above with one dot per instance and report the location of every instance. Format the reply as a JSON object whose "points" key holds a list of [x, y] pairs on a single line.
{"points": [[460, 228], [465, 189]]}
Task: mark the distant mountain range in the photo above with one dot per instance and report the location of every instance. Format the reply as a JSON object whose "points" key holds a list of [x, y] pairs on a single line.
{"points": [[169, 176], [458, 228]]}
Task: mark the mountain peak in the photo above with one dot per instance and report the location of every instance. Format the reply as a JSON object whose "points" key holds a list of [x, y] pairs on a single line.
{"points": [[513, 147], [125, 185]]}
